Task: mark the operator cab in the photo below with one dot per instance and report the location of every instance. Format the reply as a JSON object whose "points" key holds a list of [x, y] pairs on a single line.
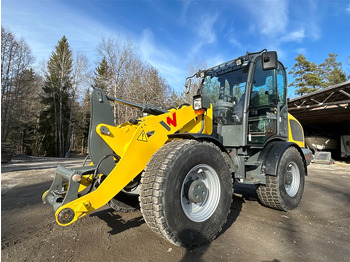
{"points": [[249, 99]]}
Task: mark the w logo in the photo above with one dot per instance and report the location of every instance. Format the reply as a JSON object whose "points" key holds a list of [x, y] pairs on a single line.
{"points": [[169, 122]]}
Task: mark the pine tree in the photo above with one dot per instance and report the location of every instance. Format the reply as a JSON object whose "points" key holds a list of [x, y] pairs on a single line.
{"points": [[102, 75], [332, 71], [54, 120], [306, 76]]}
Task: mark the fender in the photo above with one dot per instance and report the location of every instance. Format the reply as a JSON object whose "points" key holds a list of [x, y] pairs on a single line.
{"points": [[209, 138], [197, 136], [272, 153]]}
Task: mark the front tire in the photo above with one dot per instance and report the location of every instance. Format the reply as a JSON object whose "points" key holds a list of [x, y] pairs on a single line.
{"points": [[186, 192], [284, 191]]}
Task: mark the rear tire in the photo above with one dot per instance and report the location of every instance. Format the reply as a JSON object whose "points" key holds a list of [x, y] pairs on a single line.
{"points": [[124, 203], [127, 200], [170, 202], [284, 191]]}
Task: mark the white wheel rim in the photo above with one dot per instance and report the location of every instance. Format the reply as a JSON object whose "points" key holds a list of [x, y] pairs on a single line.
{"points": [[292, 179], [199, 212]]}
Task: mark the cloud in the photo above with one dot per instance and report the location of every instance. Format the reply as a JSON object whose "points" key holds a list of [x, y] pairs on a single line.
{"points": [[204, 33], [231, 35], [234, 42], [185, 7], [216, 60], [295, 36], [150, 50], [205, 28], [312, 18], [302, 50], [270, 16], [83, 32], [147, 43], [313, 30], [161, 58], [348, 9]]}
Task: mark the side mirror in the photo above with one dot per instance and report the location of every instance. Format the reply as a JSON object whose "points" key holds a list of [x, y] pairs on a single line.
{"points": [[269, 60], [188, 85]]}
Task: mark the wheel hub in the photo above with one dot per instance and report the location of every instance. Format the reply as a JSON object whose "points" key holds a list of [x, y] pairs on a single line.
{"points": [[289, 179], [292, 179], [200, 193], [195, 191]]}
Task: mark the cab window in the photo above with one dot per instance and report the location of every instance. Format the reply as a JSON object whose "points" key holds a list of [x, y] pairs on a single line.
{"points": [[263, 91]]}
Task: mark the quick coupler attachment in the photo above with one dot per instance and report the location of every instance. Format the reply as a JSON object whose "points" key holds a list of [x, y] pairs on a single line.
{"points": [[65, 188]]}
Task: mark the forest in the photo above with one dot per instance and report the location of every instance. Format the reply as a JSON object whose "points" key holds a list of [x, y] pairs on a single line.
{"points": [[46, 111]]}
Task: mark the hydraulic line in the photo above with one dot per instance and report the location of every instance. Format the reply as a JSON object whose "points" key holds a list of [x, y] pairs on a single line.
{"points": [[94, 178], [202, 126]]}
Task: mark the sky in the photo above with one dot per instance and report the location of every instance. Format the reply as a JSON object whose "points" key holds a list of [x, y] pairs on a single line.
{"points": [[171, 35]]}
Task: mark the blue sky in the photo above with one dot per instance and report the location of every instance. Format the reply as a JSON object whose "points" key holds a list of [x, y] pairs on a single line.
{"points": [[171, 34]]}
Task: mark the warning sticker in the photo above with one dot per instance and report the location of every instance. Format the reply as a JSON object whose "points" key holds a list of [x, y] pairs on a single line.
{"points": [[142, 137]]}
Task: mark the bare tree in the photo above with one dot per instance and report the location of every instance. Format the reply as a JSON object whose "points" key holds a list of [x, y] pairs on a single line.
{"points": [[118, 54], [16, 59], [186, 98], [193, 68], [81, 78], [26, 130], [130, 78]]}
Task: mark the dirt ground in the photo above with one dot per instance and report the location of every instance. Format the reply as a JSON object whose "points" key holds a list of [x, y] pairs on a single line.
{"points": [[318, 230]]}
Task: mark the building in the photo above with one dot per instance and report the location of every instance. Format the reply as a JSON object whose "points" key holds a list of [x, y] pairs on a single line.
{"points": [[325, 116]]}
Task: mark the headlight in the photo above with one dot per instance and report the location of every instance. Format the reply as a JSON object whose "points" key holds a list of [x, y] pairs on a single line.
{"points": [[197, 103], [201, 102]]}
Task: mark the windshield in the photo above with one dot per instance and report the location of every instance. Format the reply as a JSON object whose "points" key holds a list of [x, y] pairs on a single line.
{"points": [[227, 87], [227, 95]]}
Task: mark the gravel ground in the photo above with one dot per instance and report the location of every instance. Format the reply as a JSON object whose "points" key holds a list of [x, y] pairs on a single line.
{"points": [[318, 230]]}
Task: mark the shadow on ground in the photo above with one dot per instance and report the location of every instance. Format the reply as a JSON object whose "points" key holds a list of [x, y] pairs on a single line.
{"points": [[116, 222], [197, 253], [22, 196]]}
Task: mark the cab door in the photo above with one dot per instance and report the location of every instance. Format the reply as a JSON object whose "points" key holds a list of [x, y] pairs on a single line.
{"points": [[282, 123], [264, 108]]}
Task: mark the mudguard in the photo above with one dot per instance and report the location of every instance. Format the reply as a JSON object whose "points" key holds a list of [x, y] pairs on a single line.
{"points": [[198, 136], [272, 153]]}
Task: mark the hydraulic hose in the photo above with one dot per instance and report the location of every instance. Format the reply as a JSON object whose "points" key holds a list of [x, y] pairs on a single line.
{"points": [[202, 126], [94, 178]]}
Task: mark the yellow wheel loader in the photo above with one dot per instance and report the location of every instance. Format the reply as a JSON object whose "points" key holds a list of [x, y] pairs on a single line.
{"points": [[181, 163]]}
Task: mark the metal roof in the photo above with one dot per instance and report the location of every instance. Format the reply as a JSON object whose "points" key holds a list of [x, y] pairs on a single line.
{"points": [[328, 107]]}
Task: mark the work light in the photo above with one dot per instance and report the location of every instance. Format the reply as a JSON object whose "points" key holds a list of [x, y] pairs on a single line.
{"points": [[201, 102]]}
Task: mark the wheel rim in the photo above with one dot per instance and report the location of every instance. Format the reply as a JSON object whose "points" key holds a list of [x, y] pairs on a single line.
{"points": [[206, 179], [133, 188], [292, 179]]}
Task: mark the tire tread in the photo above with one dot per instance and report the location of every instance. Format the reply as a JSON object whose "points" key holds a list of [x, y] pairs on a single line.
{"points": [[269, 194], [151, 193]]}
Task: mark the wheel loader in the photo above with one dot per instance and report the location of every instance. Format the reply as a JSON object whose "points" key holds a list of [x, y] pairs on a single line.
{"points": [[180, 164]]}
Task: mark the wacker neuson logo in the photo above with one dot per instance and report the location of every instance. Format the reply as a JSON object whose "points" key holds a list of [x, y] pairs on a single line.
{"points": [[169, 122]]}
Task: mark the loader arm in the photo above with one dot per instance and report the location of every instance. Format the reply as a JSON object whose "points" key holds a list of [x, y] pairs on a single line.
{"points": [[134, 144]]}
